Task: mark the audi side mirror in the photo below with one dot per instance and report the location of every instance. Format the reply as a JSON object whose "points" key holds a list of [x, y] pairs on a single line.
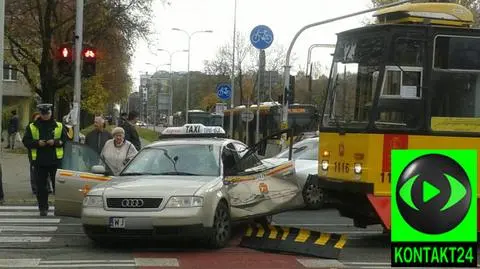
{"points": [[98, 169]]}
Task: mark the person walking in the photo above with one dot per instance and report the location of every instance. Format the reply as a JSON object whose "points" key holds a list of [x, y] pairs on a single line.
{"points": [[12, 130], [97, 138], [118, 151], [45, 138], [131, 133]]}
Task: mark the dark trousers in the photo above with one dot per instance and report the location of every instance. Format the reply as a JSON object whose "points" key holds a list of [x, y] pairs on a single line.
{"points": [[33, 181], [42, 174]]}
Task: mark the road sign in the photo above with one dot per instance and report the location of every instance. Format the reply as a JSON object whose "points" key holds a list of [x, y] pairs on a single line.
{"points": [[224, 91], [261, 37], [247, 116]]}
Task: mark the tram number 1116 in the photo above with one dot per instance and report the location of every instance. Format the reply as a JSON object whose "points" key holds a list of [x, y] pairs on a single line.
{"points": [[386, 177], [341, 167]]}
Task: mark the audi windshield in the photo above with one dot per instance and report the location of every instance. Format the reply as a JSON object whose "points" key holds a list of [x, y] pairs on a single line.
{"points": [[182, 160]]}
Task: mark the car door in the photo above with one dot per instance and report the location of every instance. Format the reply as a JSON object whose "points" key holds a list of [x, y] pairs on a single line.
{"points": [[75, 178], [255, 188]]}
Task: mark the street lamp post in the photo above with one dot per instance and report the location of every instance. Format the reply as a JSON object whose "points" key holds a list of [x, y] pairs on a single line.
{"points": [[189, 35], [170, 54]]}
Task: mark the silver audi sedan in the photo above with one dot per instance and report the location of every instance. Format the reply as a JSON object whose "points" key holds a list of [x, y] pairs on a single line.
{"points": [[192, 183]]}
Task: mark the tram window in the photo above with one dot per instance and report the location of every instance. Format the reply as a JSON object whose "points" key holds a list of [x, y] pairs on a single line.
{"points": [[402, 82], [392, 83], [455, 103], [457, 52], [408, 52]]}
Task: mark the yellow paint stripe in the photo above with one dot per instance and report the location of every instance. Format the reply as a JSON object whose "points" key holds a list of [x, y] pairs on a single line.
{"points": [[273, 232], [302, 236], [281, 167], [94, 177], [286, 231], [260, 231], [323, 239], [341, 242], [66, 174], [278, 171], [249, 231]]}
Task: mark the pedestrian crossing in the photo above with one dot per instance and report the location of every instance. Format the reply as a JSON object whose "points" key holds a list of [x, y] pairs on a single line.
{"points": [[24, 225]]}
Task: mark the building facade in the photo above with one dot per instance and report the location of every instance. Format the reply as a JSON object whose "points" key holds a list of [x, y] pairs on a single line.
{"points": [[17, 95]]}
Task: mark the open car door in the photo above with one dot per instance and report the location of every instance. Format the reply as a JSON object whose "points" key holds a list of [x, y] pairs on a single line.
{"points": [[81, 170], [256, 188]]}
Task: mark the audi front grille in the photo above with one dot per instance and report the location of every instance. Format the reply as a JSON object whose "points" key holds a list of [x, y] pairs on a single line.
{"points": [[134, 202]]}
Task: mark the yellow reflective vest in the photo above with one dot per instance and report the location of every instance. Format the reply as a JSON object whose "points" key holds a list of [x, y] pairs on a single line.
{"points": [[56, 135]]}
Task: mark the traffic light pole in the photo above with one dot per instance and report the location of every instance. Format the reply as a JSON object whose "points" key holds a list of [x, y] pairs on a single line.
{"points": [[77, 89], [286, 73]]}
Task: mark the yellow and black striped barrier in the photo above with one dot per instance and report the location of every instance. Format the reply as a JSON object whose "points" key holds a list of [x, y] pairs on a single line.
{"points": [[293, 240]]}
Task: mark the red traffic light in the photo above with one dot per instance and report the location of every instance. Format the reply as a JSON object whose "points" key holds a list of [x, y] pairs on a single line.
{"points": [[89, 53], [65, 52]]}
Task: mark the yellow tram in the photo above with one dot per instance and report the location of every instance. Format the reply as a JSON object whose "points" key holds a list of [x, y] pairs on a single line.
{"points": [[410, 81]]}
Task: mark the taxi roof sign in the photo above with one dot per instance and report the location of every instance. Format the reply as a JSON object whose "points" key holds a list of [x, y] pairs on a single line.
{"points": [[194, 130]]}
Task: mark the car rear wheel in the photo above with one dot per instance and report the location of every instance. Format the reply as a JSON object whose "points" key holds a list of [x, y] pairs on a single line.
{"points": [[313, 195], [222, 228]]}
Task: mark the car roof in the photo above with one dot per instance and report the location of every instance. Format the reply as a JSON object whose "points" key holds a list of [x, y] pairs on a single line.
{"points": [[192, 141]]}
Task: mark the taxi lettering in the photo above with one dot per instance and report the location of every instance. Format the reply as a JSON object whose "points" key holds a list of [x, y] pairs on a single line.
{"points": [[193, 129]]}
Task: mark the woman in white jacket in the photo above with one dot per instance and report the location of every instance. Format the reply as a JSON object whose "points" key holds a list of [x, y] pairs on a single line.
{"points": [[118, 151]]}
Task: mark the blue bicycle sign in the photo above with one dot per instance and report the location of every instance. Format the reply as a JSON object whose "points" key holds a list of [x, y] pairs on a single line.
{"points": [[224, 91], [261, 37]]}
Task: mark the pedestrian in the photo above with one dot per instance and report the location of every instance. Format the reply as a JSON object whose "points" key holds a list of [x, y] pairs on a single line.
{"points": [[131, 133], [12, 130], [33, 185], [122, 119], [97, 138], [45, 138], [118, 151]]}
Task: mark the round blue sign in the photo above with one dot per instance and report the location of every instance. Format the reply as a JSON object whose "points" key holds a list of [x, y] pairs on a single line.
{"points": [[261, 37], [224, 91]]}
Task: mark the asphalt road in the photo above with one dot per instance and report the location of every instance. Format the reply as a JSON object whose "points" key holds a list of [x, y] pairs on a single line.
{"points": [[28, 241]]}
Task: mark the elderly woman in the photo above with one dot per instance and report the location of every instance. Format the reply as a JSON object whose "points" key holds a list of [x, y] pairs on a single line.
{"points": [[118, 151]]}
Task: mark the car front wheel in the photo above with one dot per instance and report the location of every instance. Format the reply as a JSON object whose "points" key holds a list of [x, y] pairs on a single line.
{"points": [[313, 195], [221, 230]]}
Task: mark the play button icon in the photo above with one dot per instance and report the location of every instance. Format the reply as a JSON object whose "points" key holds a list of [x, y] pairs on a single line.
{"points": [[433, 189], [429, 191]]}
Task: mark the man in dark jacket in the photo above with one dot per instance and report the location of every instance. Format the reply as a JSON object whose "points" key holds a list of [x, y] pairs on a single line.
{"points": [[96, 139], [131, 133], [45, 138], [12, 130]]}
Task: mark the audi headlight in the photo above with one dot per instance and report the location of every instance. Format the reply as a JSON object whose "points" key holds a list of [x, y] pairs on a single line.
{"points": [[185, 201], [93, 201]]}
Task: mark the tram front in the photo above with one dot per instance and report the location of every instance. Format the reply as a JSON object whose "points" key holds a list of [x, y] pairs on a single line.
{"points": [[410, 82]]}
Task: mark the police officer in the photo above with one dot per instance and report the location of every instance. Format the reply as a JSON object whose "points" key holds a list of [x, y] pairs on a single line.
{"points": [[45, 138]]}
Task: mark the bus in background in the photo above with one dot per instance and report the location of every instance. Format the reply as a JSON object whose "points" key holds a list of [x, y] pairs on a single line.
{"points": [[302, 118]]}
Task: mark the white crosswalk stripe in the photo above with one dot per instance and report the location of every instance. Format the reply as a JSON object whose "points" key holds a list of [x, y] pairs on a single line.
{"points": [[24, 225]]}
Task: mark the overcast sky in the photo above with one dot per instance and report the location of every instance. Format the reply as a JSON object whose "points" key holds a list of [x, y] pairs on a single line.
{"points": [[284, 17]]}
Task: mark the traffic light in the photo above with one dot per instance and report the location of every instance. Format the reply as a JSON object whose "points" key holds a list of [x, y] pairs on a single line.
{"points": [[290, 92], [89, 56], [65, 59]]}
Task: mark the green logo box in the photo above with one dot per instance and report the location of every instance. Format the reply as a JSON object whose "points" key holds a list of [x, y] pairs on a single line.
{"points": [[434, 208]]}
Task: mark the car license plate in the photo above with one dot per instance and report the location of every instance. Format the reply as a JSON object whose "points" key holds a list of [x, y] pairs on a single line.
{"points": [[117, 222]]}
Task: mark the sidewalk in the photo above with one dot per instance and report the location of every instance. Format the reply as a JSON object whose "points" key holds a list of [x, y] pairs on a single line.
{"points": [[16, 176]]}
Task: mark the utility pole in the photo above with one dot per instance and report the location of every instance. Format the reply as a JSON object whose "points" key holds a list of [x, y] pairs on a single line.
{"points": [[2, 34], [232, 99], [78, 74]]}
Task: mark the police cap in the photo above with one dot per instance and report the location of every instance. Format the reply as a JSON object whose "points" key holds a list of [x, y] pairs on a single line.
{"points": [[44, 108]]}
